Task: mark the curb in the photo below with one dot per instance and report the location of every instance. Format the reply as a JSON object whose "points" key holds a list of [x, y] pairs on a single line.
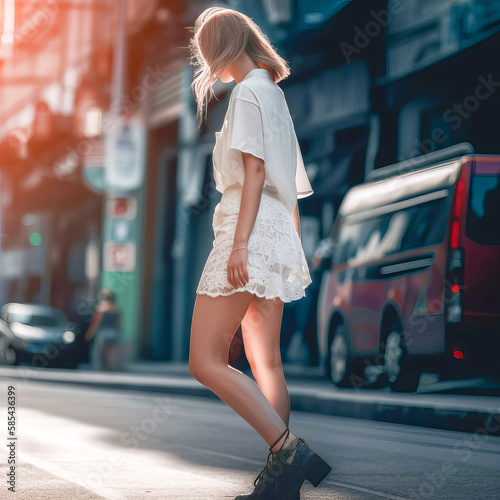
{"points": [[485, 421], [414, 410]]}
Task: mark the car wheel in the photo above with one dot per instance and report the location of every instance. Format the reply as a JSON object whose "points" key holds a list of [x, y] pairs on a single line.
{"points": [[343, 370], [8, 354], [11, 356], [378, 381], [401, 375]]}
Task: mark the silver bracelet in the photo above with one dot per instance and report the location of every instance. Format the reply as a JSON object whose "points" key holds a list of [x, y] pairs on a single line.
{"points": [[239, 248]]}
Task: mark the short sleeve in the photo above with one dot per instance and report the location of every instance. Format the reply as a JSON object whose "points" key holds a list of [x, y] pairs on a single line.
{"points": [[302, 183], [245, 128]]}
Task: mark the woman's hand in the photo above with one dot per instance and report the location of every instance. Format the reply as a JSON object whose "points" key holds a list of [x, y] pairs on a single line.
{"points": [[255, 175], [89, 334], [237, 274], [93, 324]]}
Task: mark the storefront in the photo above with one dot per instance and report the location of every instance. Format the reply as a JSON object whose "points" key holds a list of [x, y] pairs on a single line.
{"points": [[440, 88], [180, 200], [49, 216], [161, 207], [337, 133]]}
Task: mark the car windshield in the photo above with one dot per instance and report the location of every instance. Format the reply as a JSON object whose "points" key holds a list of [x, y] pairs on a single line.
{"points": [[37, 319], [483, 209]]}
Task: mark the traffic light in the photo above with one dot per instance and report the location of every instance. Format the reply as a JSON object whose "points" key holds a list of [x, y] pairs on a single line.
{"points": [[35, 239], [33, 225]]}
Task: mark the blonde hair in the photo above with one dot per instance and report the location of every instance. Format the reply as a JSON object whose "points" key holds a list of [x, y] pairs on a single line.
{"points": [[107, 294], [220, 36]]}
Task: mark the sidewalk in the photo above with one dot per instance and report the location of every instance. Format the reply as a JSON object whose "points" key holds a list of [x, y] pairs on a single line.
{"points": [[434, 405]]}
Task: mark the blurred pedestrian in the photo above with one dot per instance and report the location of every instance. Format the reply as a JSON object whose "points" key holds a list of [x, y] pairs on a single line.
{"points": [[104, 331]]}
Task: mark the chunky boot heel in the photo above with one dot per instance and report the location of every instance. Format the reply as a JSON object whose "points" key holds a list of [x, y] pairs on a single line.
{"points": [[305, 464], [318, 471]]}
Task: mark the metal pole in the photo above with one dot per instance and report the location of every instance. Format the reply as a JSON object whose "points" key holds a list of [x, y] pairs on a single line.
{"points": [[119, 58], [2, 235]]}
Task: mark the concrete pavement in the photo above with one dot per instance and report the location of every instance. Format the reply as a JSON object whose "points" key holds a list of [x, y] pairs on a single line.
{"points": [[436, 404], [81, 442]]}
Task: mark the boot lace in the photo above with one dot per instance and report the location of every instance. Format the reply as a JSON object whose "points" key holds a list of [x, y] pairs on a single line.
{"points": [[270, 462], [263, 473]]}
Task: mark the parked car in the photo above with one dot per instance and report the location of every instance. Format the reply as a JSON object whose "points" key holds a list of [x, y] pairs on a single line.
{"points": [[37, 334], [413, 280]]}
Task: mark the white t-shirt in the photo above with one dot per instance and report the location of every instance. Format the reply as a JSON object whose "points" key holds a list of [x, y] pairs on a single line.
{"points": [[258, 122]]}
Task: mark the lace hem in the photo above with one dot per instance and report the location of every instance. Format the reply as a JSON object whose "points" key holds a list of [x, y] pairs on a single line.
{"points": [[284, 298], [276, 266]]}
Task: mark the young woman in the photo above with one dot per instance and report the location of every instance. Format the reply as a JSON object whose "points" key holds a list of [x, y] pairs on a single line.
{"points": [[104, 331], [257, 262]]}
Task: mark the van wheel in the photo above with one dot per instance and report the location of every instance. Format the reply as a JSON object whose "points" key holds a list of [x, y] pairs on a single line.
{"points": [[343, 370], [402, 377]]}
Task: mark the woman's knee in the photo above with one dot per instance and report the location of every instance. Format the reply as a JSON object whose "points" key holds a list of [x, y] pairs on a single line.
{"points": [[195, 367], [201, 369]]}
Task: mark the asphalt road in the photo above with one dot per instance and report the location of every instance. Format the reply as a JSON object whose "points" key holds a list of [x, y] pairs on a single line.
{"points": [[77, 443]]}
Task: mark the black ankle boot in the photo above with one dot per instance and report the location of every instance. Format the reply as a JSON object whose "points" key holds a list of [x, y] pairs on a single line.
{"points": [[266, 483], [305, 464]]}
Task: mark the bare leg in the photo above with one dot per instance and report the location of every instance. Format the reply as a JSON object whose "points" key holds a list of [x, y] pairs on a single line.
{"points": [[215, 321], [261, 337], [96, 354], [109, 356]]}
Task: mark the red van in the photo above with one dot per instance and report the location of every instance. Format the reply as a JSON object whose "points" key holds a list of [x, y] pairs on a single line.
{"points": [[413, 281]]}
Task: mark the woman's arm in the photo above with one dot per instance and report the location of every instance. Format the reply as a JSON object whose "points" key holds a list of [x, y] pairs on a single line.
{"points": [[93, 324], [296, 219], [255, 175]]}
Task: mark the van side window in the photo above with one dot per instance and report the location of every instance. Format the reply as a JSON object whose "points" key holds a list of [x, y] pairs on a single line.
{"points": [[428, 224], [483, 209], [362, 240], [376, 237]]}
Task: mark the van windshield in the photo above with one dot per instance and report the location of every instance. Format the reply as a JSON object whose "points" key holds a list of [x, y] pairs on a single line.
{"points": [[483, 211]]}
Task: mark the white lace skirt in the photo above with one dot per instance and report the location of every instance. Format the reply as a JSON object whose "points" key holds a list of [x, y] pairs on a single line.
{"points": [[276, 265]]}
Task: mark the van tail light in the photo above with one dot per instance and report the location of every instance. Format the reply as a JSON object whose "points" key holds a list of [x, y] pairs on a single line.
{"points": [[459, 198], [457, 210], [455, 272], [455, 232], [454, 284]]}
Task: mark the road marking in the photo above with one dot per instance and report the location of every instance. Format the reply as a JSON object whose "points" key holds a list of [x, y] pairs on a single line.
{"points": [[217, 453], [364, 490], [256, 462]]}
